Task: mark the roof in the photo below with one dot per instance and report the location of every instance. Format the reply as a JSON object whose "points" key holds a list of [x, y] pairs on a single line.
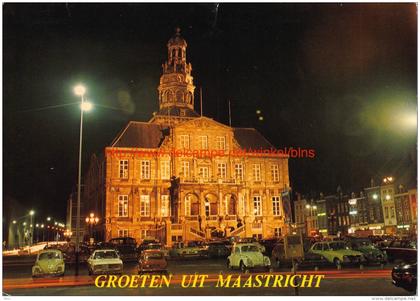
{"points": [[141, 135], [176, 111], [251, 138]]}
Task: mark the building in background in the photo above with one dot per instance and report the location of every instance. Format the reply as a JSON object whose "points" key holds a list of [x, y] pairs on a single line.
{"points": [[374, 204], [412, 195], [388, 205]]}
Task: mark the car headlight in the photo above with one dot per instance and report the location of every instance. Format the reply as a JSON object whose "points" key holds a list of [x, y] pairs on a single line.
{"points": [[248, 261], [267, 261]]}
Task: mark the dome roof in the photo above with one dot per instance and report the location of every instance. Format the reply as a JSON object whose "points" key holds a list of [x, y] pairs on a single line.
{"points": [[177, 40]]}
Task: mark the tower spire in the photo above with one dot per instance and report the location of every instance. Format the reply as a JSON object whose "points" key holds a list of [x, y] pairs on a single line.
{"points": [[176, 88]]}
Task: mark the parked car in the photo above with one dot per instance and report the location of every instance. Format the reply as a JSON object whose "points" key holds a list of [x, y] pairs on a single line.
{"points": [[49, 262], [268, 245], [337, 252], [105, 261], [405, 276], [152, 261], [217, 249], [370, 252], [402, 250], [251, 240], [126, 246], [247, 256], [181, 249], [311, 260], [156, 246], [146, 241]]}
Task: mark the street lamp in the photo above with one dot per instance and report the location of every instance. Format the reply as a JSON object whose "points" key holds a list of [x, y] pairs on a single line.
{"points": [[91, 220], [80, 90], [31, 213]]}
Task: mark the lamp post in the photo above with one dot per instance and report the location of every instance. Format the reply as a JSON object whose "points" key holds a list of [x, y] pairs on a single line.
{"points": [[80, 90], [91, 220], [31, 214]]}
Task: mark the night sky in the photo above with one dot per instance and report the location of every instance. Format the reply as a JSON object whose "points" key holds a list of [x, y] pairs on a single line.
{"points": [[332, 77]]}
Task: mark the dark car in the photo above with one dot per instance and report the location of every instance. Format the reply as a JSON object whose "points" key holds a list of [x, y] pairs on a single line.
{"points": [[217, 249], [405, 276], [372, 254], [145, 243], [152, 260], [126, 247], [268, 245], [402, 250]]}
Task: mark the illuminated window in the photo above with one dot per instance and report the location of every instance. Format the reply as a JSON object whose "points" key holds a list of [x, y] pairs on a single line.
{"points": [[239, 171], [204, 172], [188, 205], [221, 142], [221, 170], [256, 172], [185, 141], [257, 205], [185, 169], [123, 205], [275, 173], [392, 211], [145, 170], [122, 232], [123, 169], [165, 170], [144, 205], [276, 205], [203, 142], [277, 232], [165, 205]]}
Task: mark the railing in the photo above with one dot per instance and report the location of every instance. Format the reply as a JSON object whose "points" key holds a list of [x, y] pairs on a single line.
{"points": [[198, 233], [237, 231], [191, 218], [211, 218], [230, 217], [176, 227]]}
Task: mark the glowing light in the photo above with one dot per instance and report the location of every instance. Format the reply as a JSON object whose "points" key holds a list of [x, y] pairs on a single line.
{"points": [[375, 196], [79, 90], [308, 206], [261, 118], [31, 212], [86, 106], [258, 111], [387, 197], [14, 222]]}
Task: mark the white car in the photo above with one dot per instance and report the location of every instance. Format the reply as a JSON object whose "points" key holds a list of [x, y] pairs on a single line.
{"points": [[247, 256], [105, 261]]}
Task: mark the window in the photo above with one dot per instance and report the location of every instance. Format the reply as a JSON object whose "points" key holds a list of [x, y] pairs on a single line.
{"points": [[256, 172], [165, 205], [239, 171], [122, 232], [123, 205], [143, 233], [257, 205], [204, 172], [144, 205], [185, 141], [185, 169], [165, 170], [392, 211], [221, 142], [275, 173], [203, 142], [123, 169], [386, 212], [145, 169], [221, 170], [276, 205], [277, 232], [188, 205]]}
